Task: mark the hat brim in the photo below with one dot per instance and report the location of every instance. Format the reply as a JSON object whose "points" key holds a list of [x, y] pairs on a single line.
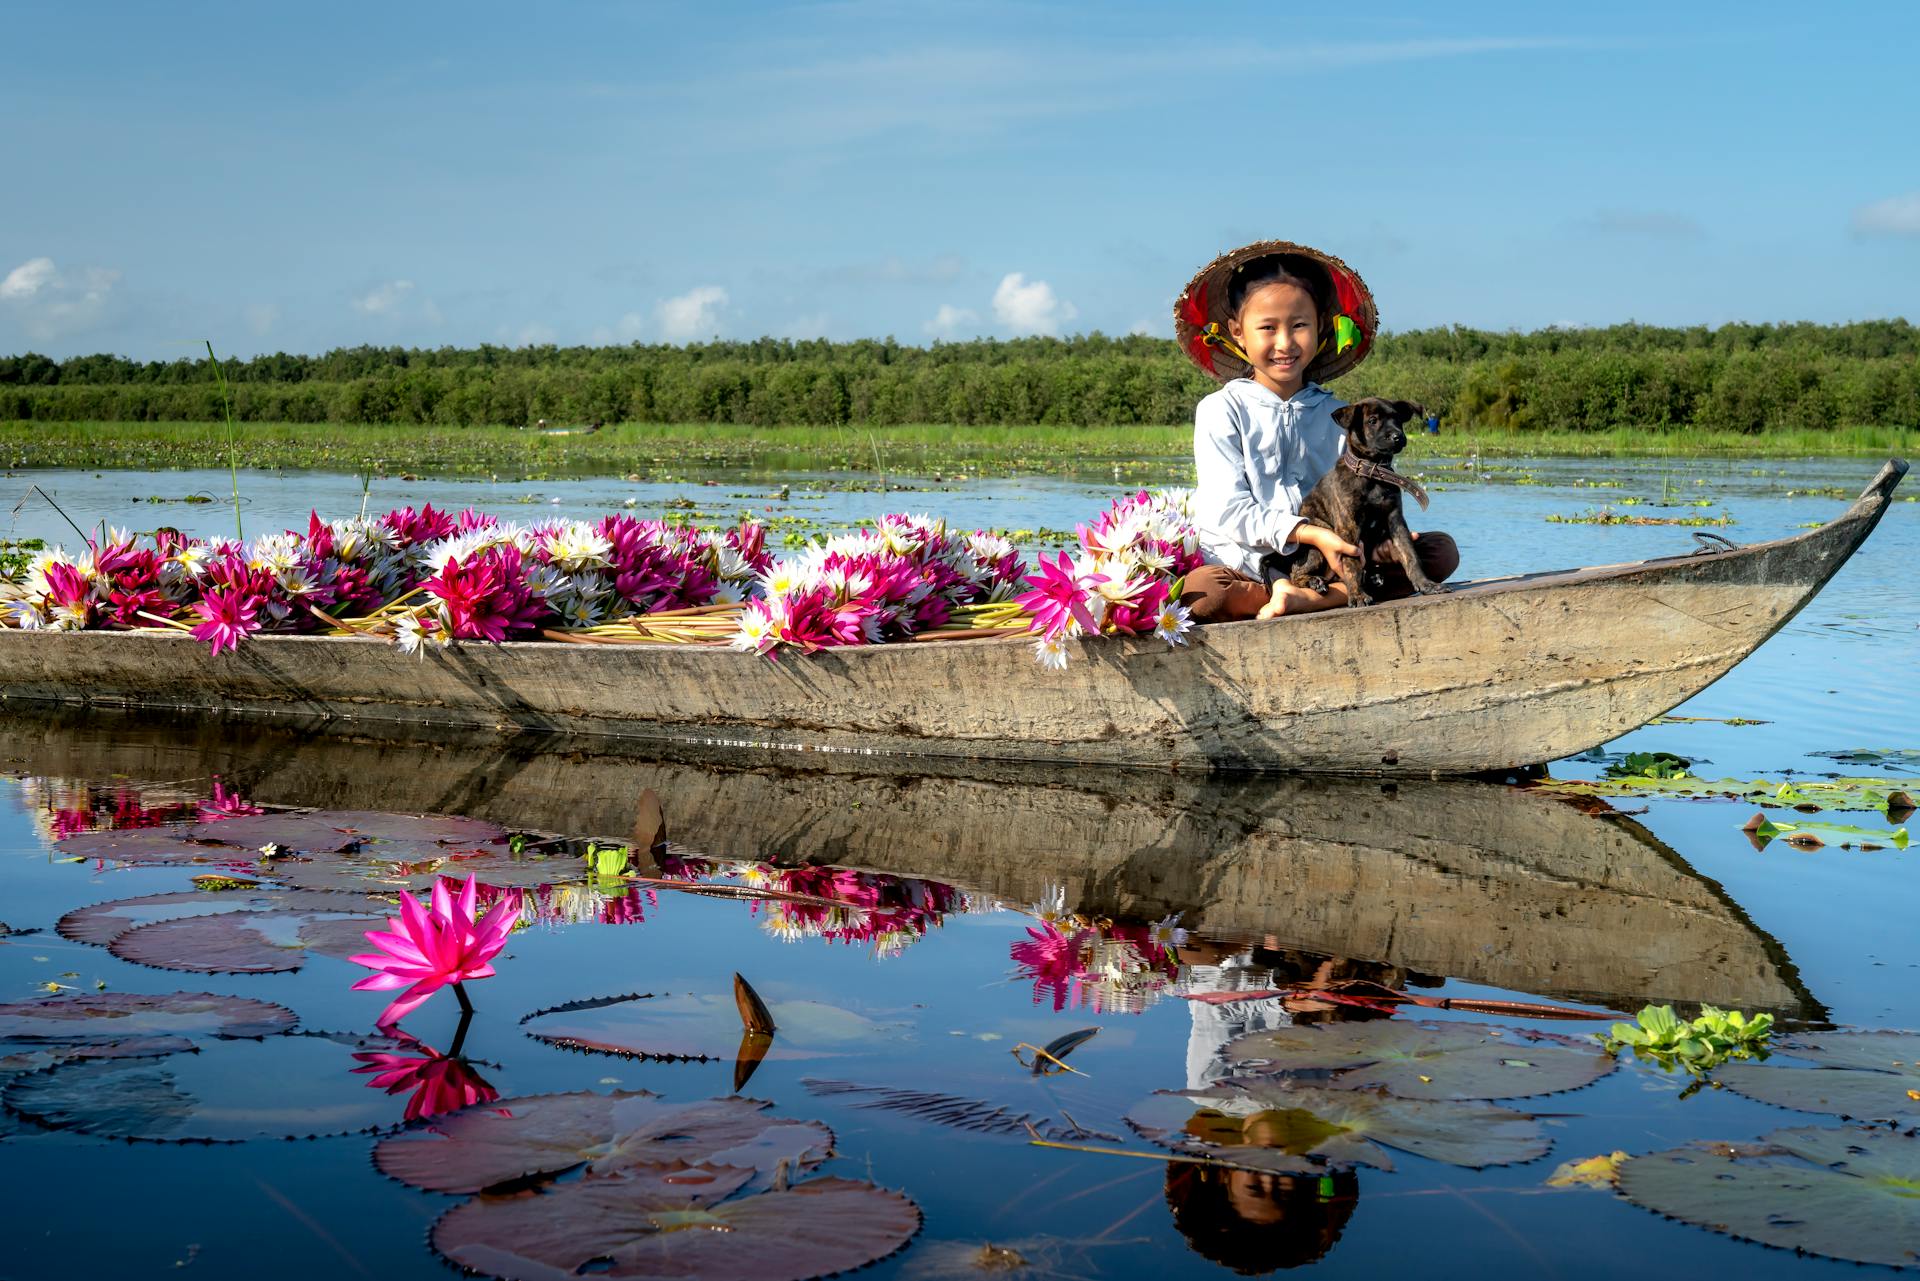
{"points": [[1204, 302]]}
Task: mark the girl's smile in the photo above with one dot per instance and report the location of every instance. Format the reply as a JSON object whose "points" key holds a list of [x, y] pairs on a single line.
{"points": [[1279, 330]]}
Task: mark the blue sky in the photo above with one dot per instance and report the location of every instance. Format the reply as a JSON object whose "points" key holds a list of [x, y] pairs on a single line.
{"points": [[297, 178]]}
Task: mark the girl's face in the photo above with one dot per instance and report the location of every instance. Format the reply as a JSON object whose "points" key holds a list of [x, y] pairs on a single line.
{"points": [[1279, 329]]}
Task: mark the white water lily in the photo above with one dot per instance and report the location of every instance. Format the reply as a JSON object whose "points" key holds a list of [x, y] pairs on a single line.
{"points": [[1052, 652], [1173, 624]]}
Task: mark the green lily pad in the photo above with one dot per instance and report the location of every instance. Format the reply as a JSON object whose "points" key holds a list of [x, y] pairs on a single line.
{"points": [[690, 1026], [1293, 1129], [300, 1085], [1843, 1193], [1863, 1076], [643, 1225], [1826, 793], [1879, 757], [512, 1141], [1426, 1059]]}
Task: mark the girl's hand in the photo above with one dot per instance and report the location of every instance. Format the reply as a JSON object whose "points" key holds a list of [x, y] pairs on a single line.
{"points": [[1326, 541]]}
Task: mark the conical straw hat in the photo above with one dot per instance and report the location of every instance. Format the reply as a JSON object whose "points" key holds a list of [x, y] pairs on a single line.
{"points": [[1200, 314]]}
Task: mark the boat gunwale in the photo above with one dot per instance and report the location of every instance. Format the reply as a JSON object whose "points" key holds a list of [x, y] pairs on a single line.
{"points": [[1868, 507]]}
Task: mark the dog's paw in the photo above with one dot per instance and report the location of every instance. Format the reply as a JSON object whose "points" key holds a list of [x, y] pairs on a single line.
{"points": [[1360, 598]]}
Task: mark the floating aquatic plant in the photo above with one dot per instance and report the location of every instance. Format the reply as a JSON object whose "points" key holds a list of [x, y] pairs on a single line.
{"points": [[1844, 1193], [275, 942], [101, 923], [698, 1026], [1697, 1045], [1425, 1059], [1298, 1129], [678, 1222], [282, 1087], [542, 1136], [1864, 1076], [426, 948], [105, 1017]]}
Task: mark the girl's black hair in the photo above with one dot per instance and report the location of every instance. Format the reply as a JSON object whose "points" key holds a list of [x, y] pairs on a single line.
{"points": [[1282, 269]]}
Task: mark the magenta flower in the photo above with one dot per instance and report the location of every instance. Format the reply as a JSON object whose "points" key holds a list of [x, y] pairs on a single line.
{"points": [[426, 948], [1055, 961], [231, 614], [1059, 597], [434, 1082]]}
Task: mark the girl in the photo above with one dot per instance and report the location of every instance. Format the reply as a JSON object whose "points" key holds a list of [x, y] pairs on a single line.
{"points": [[1268, 320]]}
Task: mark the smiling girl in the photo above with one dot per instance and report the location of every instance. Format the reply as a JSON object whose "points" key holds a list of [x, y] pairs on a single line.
{"points": [[1269, 320]]}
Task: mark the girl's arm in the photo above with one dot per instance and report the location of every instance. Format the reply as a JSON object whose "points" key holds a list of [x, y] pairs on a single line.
{"points": [[1223, 497]]}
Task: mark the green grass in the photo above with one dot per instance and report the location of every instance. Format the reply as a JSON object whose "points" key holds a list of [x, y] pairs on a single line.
{"points": [[656, 451]]}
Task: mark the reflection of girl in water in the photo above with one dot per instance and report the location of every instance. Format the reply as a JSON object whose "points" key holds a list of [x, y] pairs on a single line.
{"points": [[1208, 966], [1258, 1223]]}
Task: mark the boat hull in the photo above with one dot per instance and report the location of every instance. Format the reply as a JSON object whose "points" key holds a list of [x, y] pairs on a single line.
{"points": [[1487, 676]]}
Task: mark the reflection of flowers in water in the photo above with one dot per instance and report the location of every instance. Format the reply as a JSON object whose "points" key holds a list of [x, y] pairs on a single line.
{"points": [[557, 905], [434, 1082], [1104, 965], [63, 807], [884, 911]]}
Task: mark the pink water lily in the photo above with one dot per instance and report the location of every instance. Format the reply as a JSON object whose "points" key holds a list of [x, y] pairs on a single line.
{"points": [[425, 948], [1059, 598]]}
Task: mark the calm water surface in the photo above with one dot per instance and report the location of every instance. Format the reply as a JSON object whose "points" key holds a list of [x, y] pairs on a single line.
{"points": [[1443, 890]]}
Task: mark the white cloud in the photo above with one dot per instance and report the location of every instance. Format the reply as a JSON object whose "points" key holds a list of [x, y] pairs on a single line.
{"points": [[261, 318], [1894, 216], [953, 322], [382, 299], [536, 335], [694, 314], [1149, 329], [28, 279], [52, 302], [1030, 307]]}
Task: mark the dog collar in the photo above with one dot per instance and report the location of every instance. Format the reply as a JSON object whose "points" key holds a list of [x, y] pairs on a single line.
{"points": [[1374, 471]]}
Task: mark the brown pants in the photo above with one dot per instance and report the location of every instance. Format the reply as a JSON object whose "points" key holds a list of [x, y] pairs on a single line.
{"points": [[1216, 594]]}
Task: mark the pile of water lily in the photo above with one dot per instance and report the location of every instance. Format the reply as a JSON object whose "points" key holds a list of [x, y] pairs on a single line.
{"points": [[433, 579]]}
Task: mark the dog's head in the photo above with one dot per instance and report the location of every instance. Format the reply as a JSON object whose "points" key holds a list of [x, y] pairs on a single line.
{"points": [[1376, 428]]}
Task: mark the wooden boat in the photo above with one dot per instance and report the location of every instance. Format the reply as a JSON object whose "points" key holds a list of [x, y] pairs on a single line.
{"points": [[1489, 675], [1407, 882]]}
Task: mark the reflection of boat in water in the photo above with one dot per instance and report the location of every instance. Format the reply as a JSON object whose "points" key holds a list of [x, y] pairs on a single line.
{"points": [[1506, 887], [1487, 675]]}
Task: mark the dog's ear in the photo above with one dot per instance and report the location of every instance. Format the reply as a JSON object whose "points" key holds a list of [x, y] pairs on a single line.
{"points": [[1344, 416], [1412, 410]]}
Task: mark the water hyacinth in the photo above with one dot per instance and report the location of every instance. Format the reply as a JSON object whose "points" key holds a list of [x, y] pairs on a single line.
{"points": [[429, 579]]}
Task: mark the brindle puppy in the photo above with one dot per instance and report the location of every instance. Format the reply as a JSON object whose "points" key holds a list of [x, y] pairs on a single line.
{"points": [[1363, 509]]}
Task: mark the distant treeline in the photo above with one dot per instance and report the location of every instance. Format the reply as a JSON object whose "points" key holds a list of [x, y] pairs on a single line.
{"points": [[1737, 378]]}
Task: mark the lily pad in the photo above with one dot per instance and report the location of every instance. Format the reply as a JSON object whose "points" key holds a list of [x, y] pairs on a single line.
{"points": [[102, 923], [102, 1017], [300, 1085], [144, 845], [645, 1227], [380, 871], [361, 831], [1426, 1059], [1864, 1076], [539, 1136], [687, 1026], [246, 942], [1293, 1128], [1843, 1193]]}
